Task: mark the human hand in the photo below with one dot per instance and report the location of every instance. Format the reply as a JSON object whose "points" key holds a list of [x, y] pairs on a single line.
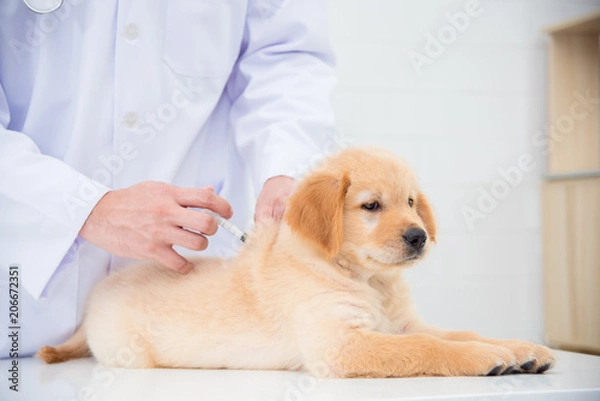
{"points": [[145, 220], [271, 201]]}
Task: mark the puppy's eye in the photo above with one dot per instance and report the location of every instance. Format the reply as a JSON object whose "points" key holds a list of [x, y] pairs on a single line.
{"points": [[372, 206], [410, 202]]}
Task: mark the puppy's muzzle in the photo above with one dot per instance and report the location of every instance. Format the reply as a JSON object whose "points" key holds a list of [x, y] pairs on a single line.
{"points": [[415, 238]]}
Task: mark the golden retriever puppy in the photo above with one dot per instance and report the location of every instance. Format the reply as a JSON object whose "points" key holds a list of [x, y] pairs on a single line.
{"points": [[321, 291]]}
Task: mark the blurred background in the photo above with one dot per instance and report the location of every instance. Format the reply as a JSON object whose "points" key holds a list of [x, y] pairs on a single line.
{"points": [[466, 114]]}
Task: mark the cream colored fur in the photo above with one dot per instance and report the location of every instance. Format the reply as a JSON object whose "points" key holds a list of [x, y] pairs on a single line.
{"points": [[321, 291]]}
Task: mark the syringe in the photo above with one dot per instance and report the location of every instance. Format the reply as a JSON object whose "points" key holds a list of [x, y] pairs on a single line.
{"points": [[239, 234]]}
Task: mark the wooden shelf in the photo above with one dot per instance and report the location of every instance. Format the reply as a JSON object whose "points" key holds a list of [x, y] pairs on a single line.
{"points": [[588, 24], [574, 119]]}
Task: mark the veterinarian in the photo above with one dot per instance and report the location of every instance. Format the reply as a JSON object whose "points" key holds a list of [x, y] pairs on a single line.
{"points": [[116, 116]]}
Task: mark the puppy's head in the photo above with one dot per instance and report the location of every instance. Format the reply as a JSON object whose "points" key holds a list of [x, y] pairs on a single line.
{"points": [[363, 205]]}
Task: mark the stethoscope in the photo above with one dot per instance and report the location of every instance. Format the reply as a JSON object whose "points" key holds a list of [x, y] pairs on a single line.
{"points": [[43, 6]]}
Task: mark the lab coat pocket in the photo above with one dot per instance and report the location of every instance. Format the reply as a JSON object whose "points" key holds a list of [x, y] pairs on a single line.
{"points": [[203, 37]]}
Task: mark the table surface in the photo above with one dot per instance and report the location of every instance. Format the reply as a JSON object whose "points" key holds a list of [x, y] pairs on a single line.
{"points": [[575, 377]]}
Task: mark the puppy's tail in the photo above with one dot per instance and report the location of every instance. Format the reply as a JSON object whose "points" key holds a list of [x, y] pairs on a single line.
{"points": [[75, 347]]}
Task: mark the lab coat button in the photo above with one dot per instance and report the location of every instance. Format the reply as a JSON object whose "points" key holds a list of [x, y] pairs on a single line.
{"points": [[130, 120], [132, 32]]}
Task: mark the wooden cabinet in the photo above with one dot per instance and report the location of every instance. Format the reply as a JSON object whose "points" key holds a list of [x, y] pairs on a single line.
{"points": [[571, 214], [571, 191]]}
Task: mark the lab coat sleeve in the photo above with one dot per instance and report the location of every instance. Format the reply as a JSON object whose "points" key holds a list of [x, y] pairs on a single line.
{"points": [[281, 116], [43, 204]]}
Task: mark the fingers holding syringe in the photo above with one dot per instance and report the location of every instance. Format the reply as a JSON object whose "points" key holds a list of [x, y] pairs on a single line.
{"points": [[188, 239], [204, 198], [196, 220]]}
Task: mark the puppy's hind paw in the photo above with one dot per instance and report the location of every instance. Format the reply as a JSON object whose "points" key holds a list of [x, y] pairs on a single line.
{"points": [[49, 355]]}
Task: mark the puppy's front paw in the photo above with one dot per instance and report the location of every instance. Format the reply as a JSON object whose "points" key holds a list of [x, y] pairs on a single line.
{"points": [[480, 359], [532, 358]]}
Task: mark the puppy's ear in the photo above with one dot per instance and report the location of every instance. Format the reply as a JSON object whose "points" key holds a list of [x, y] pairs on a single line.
{"points": [[316, 211], [426, 215]]}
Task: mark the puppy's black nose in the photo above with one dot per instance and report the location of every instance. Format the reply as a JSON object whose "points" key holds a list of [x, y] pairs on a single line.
{"points": [[415, 237]]}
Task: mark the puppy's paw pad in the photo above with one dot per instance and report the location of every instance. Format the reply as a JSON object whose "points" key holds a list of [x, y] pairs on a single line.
{"points": [[544, 368], [495, 371], [528, 366], [510, 370]]}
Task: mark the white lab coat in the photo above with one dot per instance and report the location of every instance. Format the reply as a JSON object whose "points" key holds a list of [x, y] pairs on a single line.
{"points": [[103, 94]]}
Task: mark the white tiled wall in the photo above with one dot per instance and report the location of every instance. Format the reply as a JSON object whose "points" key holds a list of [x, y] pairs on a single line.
{"points": [[471, 112]]}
